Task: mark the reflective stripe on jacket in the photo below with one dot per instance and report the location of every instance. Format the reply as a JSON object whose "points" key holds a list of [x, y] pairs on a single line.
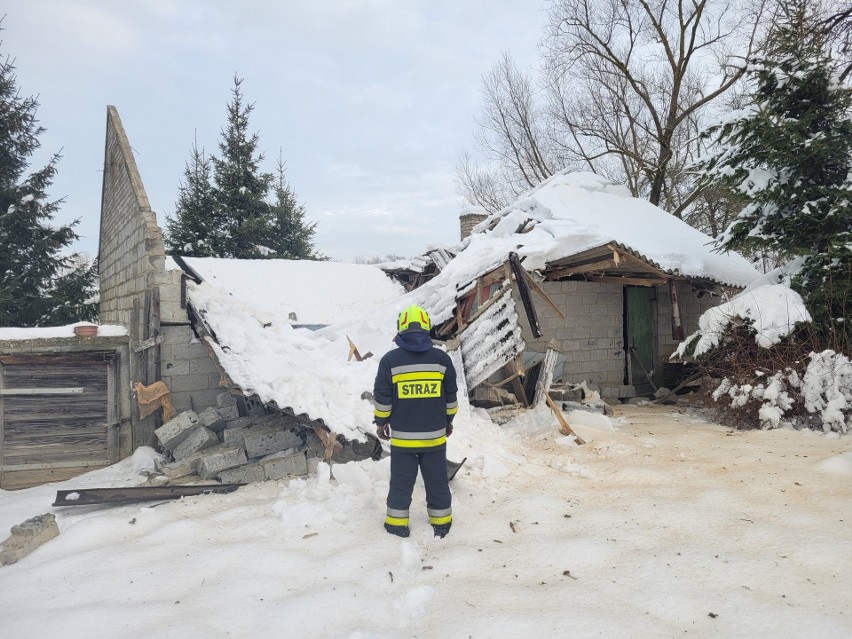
{"points": [[416, 393]]}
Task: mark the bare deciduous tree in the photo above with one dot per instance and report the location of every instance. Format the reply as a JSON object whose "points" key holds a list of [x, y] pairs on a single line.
{"points": [[626, 87], [837, 27], [511, 139]]}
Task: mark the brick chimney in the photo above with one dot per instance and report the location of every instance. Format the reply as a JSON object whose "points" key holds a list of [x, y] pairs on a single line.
{"points": [[469, 218]]}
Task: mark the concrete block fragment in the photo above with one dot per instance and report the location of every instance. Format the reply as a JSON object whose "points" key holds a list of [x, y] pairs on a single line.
{"points": [[212, 419], [247, 474], [266, 441], [225, 399], [174, 431], [618, 392], [181, 468], [313, 462], [26, 537], [214, 463], [197, 440], [281, 467]]}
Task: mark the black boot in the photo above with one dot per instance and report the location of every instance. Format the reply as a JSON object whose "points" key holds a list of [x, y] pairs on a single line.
{"points": [[442, 530], [399, 531]]}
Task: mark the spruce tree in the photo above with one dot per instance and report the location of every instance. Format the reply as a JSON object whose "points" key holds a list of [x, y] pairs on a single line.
{"points": [[39, 284], [291, 237], [194, 231], [790, 154], [240, 186]]}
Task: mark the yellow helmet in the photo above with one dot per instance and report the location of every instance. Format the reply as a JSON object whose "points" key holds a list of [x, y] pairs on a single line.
{"points": [[413, 318]]}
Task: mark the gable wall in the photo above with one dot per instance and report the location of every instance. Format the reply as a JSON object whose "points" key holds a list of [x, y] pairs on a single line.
{"points": [[131, 254], [131, 263]]}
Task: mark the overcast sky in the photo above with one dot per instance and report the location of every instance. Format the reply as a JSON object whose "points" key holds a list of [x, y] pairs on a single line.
{"points": [[372, 102]]}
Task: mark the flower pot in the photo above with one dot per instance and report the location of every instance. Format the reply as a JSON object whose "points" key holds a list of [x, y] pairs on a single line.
{"points": [[86, 330]]}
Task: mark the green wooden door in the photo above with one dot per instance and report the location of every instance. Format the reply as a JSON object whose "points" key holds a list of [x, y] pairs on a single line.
{"points": [[639, 315]]}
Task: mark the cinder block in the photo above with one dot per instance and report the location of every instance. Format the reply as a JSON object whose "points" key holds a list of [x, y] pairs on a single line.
{"points": [[261, 442], [281, 467], [618, 392], [197, 440], [229, 413], [313, 462], [214, 463], [202, 367], [247, 474], [174, 431], [26, 537], [225, 399], [190, 383], [181, 468], [174, 367], [234, 437], [211, 419]]}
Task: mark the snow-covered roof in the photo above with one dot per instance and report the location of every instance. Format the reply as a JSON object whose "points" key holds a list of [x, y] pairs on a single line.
{"points": [[246, 303], [299, 291], [573, 212]]}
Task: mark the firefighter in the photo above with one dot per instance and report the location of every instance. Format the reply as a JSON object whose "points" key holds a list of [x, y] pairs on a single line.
{"points": [[414, 399]]}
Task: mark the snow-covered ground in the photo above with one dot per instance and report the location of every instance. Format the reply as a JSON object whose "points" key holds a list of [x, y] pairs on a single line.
{"points": [[663, 525]]}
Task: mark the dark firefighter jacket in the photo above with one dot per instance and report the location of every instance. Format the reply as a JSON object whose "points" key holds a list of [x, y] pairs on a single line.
{"points": [[415, 391]]}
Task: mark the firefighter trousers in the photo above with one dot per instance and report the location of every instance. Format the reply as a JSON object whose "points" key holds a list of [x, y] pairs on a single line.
{"points": [[433, 467]]}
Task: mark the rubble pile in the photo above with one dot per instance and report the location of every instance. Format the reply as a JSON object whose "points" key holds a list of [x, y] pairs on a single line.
{"points": [[220, 445]]}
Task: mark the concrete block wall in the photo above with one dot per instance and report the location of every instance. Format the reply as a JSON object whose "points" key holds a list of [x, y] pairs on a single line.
{"points": [[131, 264], [187, 369], [592, 334], [131, 252]]}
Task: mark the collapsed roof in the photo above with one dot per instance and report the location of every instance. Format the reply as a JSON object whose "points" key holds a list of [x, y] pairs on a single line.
{"points": [[572, 226]]}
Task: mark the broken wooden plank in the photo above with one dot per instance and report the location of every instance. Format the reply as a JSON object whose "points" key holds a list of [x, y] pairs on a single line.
{"points": [[564, 427], [524, 292], [453, 468], [537, 289], [148, 343], [89, 496], [545, 375], [353, 351]]}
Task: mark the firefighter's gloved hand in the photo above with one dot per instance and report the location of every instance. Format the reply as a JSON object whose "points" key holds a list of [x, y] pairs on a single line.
{"points": [[383, 431], [449, 429]]}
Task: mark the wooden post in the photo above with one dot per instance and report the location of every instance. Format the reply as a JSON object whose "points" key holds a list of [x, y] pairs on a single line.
{"points": [[545, 376], [677, 324], [516, 370]]}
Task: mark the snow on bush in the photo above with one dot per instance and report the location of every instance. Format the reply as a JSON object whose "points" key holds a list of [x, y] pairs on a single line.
{"points": [[790, 386]]}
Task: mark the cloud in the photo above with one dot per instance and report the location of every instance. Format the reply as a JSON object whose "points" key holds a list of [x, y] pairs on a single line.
{"points": [[371, 101]]}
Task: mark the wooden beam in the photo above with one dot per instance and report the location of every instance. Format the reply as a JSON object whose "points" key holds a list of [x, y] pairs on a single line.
{"points": [[628, 257], [564, 427], [535, 287], [148, 343], [516, 370], [524, 291], [585, 268], [628, 281]]}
